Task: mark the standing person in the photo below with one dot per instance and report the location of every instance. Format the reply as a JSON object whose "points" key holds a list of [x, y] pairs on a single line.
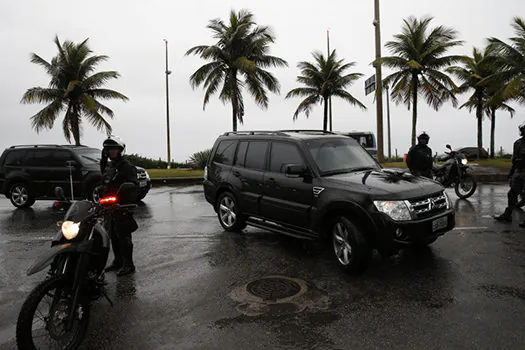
{"points": [[516, 176], [117, 172], [419, 159]]}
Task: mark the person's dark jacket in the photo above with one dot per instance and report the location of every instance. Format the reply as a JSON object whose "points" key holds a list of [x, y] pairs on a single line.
{"points": [[518, 156], [118, 172], [420, 161]]}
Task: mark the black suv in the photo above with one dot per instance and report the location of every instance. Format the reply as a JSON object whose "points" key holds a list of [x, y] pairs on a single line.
{"points": [[315, 185], [28, 173]]}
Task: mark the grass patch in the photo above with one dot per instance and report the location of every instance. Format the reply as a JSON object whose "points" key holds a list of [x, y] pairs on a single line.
{"points": [[167, 173], [495, 163]]}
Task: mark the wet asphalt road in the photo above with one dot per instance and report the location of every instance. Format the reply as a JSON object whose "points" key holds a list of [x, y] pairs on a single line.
{"points": [[465, 292]]}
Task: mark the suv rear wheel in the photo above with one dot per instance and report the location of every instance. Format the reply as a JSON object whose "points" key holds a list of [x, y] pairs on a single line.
{"points": [[350, 247], [228, 213], [20, 196]]}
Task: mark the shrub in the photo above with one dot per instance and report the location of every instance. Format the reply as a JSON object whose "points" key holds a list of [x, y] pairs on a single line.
{"points": [[200, 159]]}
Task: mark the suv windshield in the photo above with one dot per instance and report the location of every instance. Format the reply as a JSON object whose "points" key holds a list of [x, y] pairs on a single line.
{"points": [[336, 156], [89, 155]]}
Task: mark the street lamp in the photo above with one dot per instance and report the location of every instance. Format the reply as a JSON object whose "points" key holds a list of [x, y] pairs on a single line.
{"points": [[168, 72]]}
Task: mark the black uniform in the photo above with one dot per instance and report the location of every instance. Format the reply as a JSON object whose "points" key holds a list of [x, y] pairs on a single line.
{"points": [[517, 174], [419, 160], [115, 174]]}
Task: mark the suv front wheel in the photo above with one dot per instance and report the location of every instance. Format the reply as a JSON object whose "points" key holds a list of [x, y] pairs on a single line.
{"points": [[228, 213], [20, 196], [350, 247]]}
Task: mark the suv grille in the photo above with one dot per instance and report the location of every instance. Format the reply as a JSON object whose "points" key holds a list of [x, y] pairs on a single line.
{"points": [[424, 208], [141, 175]]}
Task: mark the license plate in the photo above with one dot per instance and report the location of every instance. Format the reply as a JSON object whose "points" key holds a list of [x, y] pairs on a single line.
{"points": [[143, 183], [439, 224]]}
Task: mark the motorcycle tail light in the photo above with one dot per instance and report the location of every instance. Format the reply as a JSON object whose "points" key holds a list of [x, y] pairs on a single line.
{"points": [[108, 200]]}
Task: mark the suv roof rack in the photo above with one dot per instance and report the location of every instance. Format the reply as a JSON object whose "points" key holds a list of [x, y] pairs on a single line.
{"points": [[309, 131], [35, 146], [255, 132]]}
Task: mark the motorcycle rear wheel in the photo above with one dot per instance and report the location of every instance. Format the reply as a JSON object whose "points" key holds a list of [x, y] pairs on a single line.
{"points": [[48, 305], [466, 186]]}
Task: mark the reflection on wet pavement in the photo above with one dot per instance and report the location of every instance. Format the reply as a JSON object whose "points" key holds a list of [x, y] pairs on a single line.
{"points": [[465, 291]]}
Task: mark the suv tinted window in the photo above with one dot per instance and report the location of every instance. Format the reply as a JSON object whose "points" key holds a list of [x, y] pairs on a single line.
{"points": [[39, 157], [225, 152], [241, 153], [15, 158], [59, 158], [284, 153], [256, 155]]}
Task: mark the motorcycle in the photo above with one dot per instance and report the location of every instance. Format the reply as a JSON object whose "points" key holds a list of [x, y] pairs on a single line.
{"points": [[56, 312], [455, 172]]}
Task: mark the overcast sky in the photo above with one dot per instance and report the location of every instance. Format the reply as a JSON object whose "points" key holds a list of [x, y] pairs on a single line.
{"points": [[131, 33]]}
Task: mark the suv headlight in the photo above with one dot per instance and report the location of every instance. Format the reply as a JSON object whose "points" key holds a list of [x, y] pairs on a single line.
{"points": [[397, 210], [147, 175], [70, 229]]}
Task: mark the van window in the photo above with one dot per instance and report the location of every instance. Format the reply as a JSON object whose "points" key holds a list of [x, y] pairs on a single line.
{"points": [[256, 155], [39, 157], [60, 158], [225, 152], [284, 153], [15, 158], [241, 153]]}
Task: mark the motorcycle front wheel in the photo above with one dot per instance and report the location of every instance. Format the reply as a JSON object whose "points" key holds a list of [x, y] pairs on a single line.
{"points": [[43, 318], [466, 186]]}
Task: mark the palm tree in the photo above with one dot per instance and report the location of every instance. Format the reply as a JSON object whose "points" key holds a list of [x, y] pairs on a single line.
{"points": [[495, 102], [75, 88], [512, 62], [241, 51], [473, 74], [324, 78], [419, 61]]}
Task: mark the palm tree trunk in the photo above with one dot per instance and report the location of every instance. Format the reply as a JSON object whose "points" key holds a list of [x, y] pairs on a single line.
{"points": [[414, 108], [479, 117], [325, 119], [234, 113], [75, 126], [492, 131]]}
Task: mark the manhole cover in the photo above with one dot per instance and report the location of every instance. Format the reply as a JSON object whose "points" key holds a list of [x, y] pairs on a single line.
{"points": [[273, 288]]}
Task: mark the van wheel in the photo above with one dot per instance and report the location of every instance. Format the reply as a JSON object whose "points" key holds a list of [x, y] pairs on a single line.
{"points": [[20, 196], [350, 247], [228, 213]]}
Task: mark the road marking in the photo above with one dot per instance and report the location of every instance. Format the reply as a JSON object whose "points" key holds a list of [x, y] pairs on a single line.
{"points": [[470, 228]]}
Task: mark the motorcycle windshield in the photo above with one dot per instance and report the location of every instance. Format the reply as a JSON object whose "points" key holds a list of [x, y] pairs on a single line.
{"points": [[79, 211]]}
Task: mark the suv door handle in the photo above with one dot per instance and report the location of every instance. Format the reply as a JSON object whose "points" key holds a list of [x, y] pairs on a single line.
{"points": [[236, 174]]}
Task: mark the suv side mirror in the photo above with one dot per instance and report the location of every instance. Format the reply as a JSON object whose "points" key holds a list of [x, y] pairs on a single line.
{"points": [[127, 193], [295, 170], [449, 147]]}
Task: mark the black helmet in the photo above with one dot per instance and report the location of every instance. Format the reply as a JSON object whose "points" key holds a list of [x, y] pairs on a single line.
{"points": [[114, 142], [423, 136], [522, 129]]}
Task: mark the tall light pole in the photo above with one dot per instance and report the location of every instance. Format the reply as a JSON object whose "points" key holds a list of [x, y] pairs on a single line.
{"points": [[330, 99], [168, 72], [379, 84], [388, 122]]}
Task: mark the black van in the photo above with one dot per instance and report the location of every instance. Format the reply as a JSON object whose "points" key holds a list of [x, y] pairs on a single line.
{"points": [[317, 185]]}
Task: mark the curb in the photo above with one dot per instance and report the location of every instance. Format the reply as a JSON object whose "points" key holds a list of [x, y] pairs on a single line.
{"points": [[176, 181]]}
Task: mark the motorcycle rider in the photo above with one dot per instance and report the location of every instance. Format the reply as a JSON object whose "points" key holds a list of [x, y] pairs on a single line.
{"points": [[419, 159], [516, 177], [117, 172]]}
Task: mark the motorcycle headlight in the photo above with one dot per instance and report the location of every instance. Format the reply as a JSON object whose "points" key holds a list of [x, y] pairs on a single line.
{"points": [[397, 210], [70, 229], [464, 161]]}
